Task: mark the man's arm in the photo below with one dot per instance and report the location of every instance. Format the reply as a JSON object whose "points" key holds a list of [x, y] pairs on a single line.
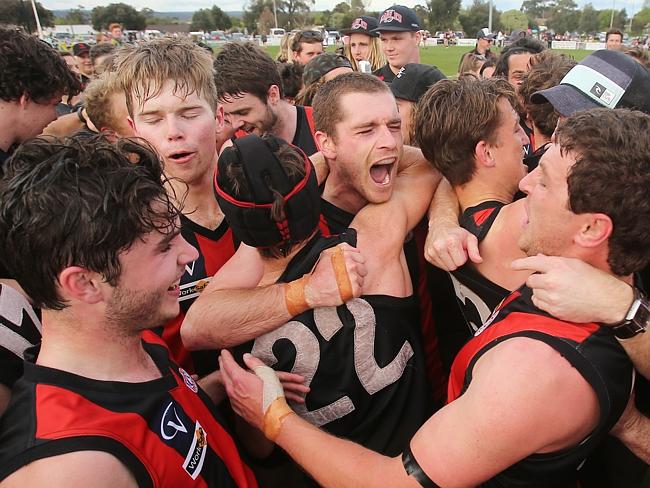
{"points": [[571, 290], [83, 468], [448, 245], [232, 309], [494, 424], [633, 429]]}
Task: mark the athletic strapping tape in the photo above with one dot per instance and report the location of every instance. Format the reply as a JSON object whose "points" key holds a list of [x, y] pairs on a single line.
{"points": [[274, 404], [414, 470]]}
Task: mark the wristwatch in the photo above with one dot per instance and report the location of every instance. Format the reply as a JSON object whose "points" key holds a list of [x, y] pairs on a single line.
{"points": [[637, 318]]}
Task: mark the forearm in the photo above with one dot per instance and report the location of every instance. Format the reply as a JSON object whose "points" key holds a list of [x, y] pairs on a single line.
{"points": [[638, 349], [636, 436], [335, 462], [444, 209], [227, 318]]}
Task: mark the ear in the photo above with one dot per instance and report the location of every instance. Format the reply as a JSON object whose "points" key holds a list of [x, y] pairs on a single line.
{"points": [[295, 55], [326, 144], [132, 124], [273, 95], [80, 284], [483, 154], [219, 117], [595, 230], [24, 100]]}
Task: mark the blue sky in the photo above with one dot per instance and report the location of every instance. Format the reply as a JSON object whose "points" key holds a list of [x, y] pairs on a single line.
{"points": [[190, 5]]}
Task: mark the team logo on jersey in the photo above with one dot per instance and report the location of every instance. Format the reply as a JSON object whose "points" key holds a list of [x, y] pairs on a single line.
{"points": [[192, 290], [189, 381], [390, 15], [196, 455], [170, 423]]}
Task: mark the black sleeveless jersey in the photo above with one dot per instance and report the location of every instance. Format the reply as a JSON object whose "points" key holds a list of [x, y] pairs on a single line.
{"points": [[215, 248], [362, 361], [165, 431], [477, 295], [591, 349], [20, 329], [335, 220], [385, 73]]}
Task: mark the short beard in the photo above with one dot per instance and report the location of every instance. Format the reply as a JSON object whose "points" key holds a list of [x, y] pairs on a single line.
{"points": [[271, 123], [129, 312]]}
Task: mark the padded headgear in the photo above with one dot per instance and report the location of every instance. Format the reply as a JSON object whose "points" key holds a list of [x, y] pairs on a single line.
{"points": [[249, 215]]}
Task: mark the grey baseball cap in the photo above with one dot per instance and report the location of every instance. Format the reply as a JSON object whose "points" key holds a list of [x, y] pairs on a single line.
{"points": [[605, 78]]}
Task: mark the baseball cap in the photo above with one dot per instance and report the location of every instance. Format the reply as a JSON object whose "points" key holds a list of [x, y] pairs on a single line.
{"points": [[609, 79], [362, 25], [398, 18], [80, 48], [322, 64], [485, 34], [413, 80]]}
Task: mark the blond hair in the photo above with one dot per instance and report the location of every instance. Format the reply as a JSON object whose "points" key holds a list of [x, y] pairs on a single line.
{"points": [[143, 70], [376, 56], [97, 97]]}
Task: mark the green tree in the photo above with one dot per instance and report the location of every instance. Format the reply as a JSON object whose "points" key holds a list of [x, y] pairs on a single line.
{"points": [[442, 14], [253, 11], [76, 16], [126, 15], [565, 16], [641, 21], [296, 12], [605, 17], [19, 12], [202, 21], [514, 19], [220, 18], [588, 19], [537, 10], [475, 17]]}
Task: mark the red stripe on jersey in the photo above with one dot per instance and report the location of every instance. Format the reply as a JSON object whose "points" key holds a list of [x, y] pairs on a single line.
{"points": [[482, 215], [512, 323], [216, 253], [324, 226]]}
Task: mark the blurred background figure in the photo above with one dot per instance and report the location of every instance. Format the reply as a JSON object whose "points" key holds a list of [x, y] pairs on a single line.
{"points": [[363, 44], [318, 71]]}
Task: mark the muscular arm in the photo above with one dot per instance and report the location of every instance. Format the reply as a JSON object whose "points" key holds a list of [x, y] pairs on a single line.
{"points": [[633, 429], [82, 468], [492, 426]]}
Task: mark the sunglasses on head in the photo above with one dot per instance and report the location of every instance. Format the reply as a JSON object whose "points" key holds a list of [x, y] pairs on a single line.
{"points": [[310, 35]]}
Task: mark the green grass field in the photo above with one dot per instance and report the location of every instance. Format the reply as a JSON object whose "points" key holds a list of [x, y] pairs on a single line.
{"points": [[446, 59]]}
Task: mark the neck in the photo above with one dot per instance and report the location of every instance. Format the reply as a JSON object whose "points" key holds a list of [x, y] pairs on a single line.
{"points": [[339, 192], [480, 190], [540, 139], [274, 267], [74, 342], [287, 124], [7, 124]]}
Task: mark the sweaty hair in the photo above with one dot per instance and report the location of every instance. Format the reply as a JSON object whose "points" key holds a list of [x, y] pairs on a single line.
{"points": [[143, 70], [376, 56], [638, 53], [547, 70], [98, 96], [453, 117], [612, 176], [78, 202], [32, 67], [326, 103], [101, 49], [242, 67], [293, 163], [523, 45]]}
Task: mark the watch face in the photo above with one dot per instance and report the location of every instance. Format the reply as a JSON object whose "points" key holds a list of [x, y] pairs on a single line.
{"points": [[642, 313]]}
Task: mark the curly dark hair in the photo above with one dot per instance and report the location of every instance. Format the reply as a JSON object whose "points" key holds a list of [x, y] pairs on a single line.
{"points": [[78, 202], [612, 176], [243, 67], [32, 67], [520, 46]]}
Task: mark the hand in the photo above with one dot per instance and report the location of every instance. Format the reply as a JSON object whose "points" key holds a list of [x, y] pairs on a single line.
{"points": [[322, 289], [243, 388], [572, 290], [449, 246]]}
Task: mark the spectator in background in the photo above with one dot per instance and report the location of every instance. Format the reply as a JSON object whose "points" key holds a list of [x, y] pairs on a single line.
{"points": [[305, 45], [484, 40], [471, 65], [284, 55], [319, 71], [100, 56], [364, 44], [613, 39], [81, 52], [487, 70], [513, 62], [116, 33], [291, 78]]}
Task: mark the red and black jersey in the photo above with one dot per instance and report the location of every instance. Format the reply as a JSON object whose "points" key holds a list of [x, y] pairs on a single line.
{"points": [[362, 361], [304, 135], [165, 431], [335, 220], [215, 248], [477, 295], [385, 73], [591, 349]]}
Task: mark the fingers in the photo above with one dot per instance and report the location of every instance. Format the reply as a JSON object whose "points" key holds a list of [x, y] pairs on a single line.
{"points": [[472, 249], [252, 362], [449, 252], [539, 263]]}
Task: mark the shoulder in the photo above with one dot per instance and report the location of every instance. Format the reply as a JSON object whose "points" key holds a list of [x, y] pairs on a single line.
{"points": [[82, 468]]}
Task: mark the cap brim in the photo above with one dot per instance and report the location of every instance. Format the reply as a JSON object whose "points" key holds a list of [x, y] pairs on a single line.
{"points": [[565, 99], [396, 28], [347, 32]]}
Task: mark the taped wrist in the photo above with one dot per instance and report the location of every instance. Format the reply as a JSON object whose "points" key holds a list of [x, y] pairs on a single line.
{"points": [[274, 404], [341, 274], [294, 296], [414, 470]]}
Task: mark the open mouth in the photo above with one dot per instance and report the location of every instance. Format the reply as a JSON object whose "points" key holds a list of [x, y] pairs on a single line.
{"points": [[381, 173], [181, 157]]}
